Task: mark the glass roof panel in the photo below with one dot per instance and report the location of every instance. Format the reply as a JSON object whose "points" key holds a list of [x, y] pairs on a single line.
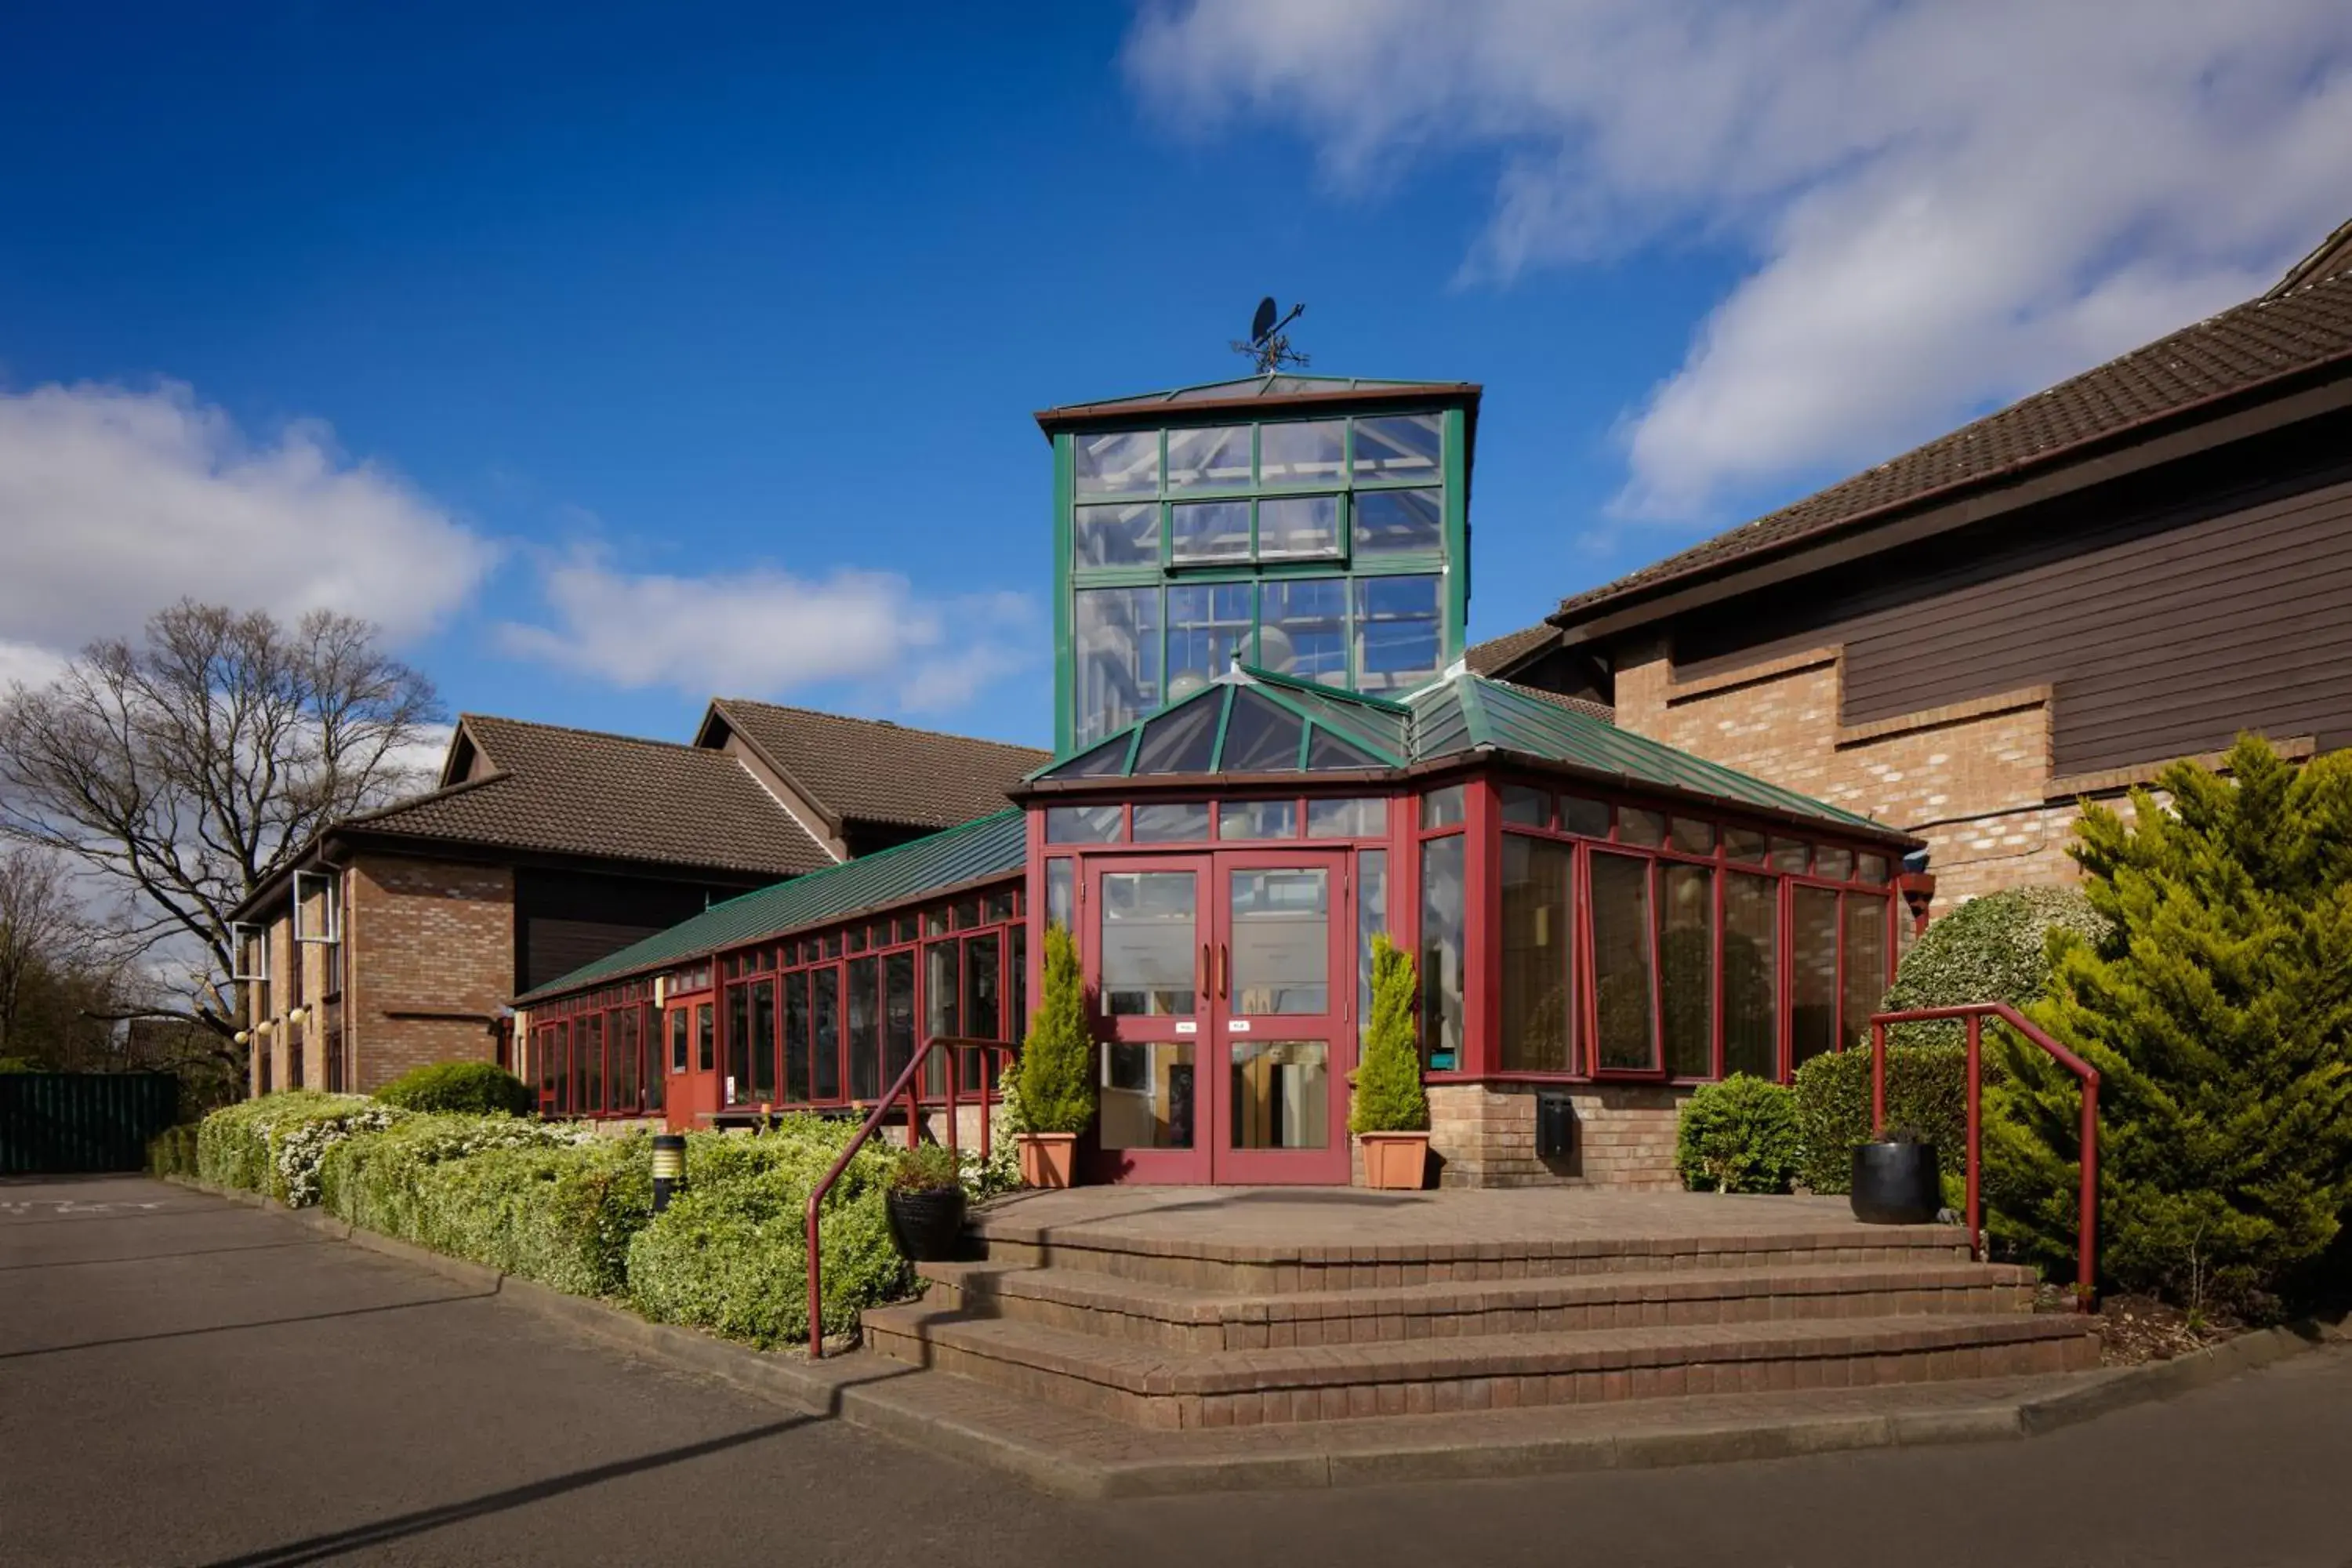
{"points": [[1325, 751], [1181, 740], [1260, 738], [1105, 760]]}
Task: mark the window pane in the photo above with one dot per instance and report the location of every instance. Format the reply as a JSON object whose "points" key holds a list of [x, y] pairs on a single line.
{"points": [[589, 1033], [1813, 1007], [1181, 740], [1620, 953], [1081, 823], [1260, 738], [1282, 1094], [1217, 456], [763, 1042], [1181, 822], [1002, 906], [628, 1073], [1687, 967], [1441, 950], [795, 1087], [1833, 864], [1529, 808], [897, 1014], [1147, 943], [1303, 628], [1281, 931], [1209, 531], [1744, 844], [1116, 463], [737, 1089], [563, 1069], [1115, 649], [1116, 535], [1299, 525], [1589, 818], [1872, 869], [982, 965], [1397, 628], [1400, 523], [1208, 624], [1017, 996], [935, 921], [655, 1079], [1061, 894], [1146, 1101], [678, 1031], [1365, 817], [1790, 855], [1646, 828], [1691, 837], [825, 1015], [1325, 752], [1301, 452], [1371, 919], [1865, 964], [942, 999], [1537, 923], [864, 1030], [1442, 808], [706, 1037], [966, 914], [1751, 976], [1258, 819], [1399, 447]]}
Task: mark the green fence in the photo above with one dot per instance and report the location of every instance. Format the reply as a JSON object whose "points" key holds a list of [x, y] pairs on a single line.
{"points": [[56, 1123]]}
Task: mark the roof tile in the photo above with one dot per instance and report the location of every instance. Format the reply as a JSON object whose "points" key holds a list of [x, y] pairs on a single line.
{"points": [[870, 770]]}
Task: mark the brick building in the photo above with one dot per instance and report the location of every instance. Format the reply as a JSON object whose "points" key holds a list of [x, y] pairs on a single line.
{"points": [[2047, 604], [396, 937]]}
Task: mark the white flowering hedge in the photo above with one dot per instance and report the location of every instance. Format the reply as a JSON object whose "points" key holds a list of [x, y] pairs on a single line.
{"points": [[273, 1145]]}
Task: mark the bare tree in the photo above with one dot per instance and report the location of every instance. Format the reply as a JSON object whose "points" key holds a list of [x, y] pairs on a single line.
{"points": [[43, 932], [188, 769]]}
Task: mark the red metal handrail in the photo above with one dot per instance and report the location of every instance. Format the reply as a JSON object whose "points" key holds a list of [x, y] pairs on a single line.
{"points": [[1975, 1014], [873, 1123]]}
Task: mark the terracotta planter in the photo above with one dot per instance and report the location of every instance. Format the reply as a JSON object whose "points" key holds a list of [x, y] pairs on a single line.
{"points": [[1047, 1159], [1394, 1162]]}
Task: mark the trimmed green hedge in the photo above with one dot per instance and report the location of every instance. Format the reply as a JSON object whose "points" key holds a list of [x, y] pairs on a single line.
{"points": [[1992, 949], [272, 1145], [173, 1151], [729, 1256], [461, 1089], [1738, 1136], [1927, 1091]]}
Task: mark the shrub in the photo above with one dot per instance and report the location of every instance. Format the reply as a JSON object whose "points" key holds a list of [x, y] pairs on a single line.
{"points": [[1927, 1092], [1992, 949], [1389, 1097], [551, 1202], [273, 1145], [1738, 1136], [926, 1168], [461, 1089], [173, 1151], [729, 1255], [1057, 1060], [2217, 1011]]}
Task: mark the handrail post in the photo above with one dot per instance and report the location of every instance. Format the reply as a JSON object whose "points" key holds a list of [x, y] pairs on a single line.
{"points": [[1975, 1133], [1877, 1079], [2087, 1266], [986, 1148], [955, 1147]]}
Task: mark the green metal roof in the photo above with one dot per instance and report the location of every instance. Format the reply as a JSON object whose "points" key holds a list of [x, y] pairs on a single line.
{"points": [[1459, 713], [989, 847]]}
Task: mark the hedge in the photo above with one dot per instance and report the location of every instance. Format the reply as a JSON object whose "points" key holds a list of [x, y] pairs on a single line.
{"points": [[272, 1145], [729, 1256], [173, 1151], [1992, 949], [1738, 1136], [1926, 1091], [461, 1089]]}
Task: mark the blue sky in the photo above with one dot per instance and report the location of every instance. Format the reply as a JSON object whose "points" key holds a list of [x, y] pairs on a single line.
{"points": [[616, 356]]}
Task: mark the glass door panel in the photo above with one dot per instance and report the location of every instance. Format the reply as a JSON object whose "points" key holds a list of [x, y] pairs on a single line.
{"points": [[1146, 963], [1281, 1001]]}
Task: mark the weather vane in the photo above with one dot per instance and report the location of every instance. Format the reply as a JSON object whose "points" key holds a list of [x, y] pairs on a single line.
{"points": [[1268, 344]]}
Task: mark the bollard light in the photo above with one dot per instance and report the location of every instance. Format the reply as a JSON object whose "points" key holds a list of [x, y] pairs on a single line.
{"points": [[669, 1168]]}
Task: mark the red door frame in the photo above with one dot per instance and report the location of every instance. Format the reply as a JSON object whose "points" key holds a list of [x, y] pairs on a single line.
{"points": [[691, 1098], [1189, 1164]]}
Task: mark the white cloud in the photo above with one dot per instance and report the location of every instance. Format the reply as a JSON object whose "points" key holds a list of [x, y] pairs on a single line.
{"points": [[761, 632], [1948, 205], [116, 502]]}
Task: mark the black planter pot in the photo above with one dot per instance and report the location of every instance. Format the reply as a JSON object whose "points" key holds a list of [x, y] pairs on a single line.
{"points": [[1896, 1184], [927, 1226]]}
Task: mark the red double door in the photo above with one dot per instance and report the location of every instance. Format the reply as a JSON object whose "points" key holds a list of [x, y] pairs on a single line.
{"points": [[1225, 988]]}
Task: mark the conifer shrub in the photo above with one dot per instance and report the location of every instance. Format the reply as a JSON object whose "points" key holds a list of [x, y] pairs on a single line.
{"points": [[1056, 1073], [2217, 1010], [461, 1089], [1738, 1136], [1388, 1096]]}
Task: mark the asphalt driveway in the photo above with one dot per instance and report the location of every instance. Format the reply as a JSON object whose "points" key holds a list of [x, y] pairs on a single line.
{"points": [[188, 1381]]}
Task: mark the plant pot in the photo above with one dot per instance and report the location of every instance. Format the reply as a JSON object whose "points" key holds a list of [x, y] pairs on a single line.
{"points": [[927, 1222], [1047, 1159], [1896, 1184], [1394, 1162]]}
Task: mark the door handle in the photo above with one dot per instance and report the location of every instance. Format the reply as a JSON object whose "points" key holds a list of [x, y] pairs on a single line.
{"points": [[1223, 956], [1201, 975]]}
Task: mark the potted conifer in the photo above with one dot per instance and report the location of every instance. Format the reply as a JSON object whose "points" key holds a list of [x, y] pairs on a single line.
{"points": [[1389, 1112], [1056, 1073]]}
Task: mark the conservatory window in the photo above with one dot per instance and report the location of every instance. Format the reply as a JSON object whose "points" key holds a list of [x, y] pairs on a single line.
{"points": [[1398, 621], [1117, 535], [1116, 462], [1399, 447], [1400, 523]]}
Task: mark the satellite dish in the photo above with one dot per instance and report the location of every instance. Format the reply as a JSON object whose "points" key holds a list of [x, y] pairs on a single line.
{"points": [[1263, 322]]}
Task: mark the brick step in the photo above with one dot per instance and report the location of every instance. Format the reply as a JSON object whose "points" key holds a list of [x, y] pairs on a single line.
{"points": [[1177, 1319], [1145, 1385], [1284, 1268]]}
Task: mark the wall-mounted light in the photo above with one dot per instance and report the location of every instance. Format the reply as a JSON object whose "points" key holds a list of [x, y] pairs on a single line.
{"points": [[245, 1036], [298, 1016]]}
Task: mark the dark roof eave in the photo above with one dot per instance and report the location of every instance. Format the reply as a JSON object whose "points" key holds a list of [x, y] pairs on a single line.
{"points": [[1084, 416], [1708, 582]]}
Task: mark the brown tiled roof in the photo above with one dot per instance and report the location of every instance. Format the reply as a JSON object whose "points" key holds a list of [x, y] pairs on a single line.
{"points": [[581, 792], [870, 770], [1501, 653], [2304, 329], [1584, 705]]}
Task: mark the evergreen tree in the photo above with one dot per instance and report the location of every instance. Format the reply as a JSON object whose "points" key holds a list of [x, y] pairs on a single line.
{"points": [[2217, 1010], [1057, 1060], [1389, 1096]]}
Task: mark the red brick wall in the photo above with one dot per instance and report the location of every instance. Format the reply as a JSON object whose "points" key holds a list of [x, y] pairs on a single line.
{"points": [[432, 961], [1485, 1136]]}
